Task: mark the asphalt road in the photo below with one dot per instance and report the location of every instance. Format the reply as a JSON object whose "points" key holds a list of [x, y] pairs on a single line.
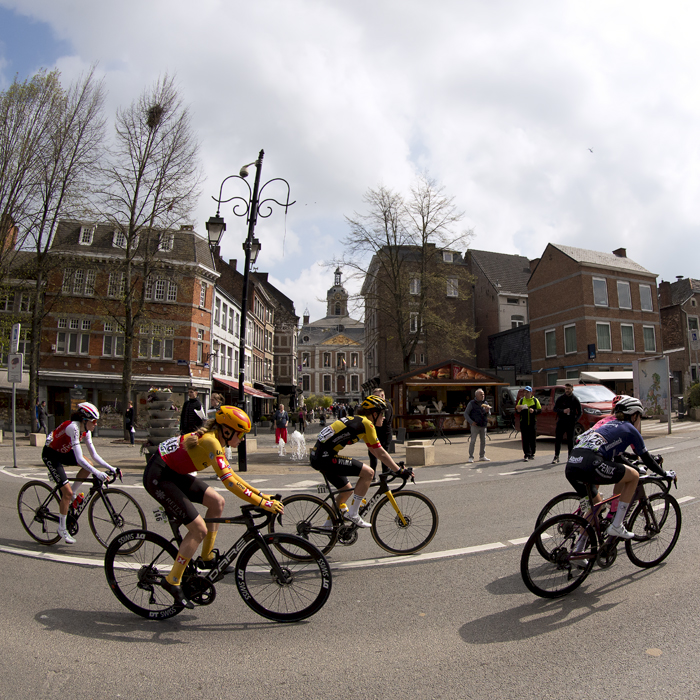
{"points": [[453, 622]]}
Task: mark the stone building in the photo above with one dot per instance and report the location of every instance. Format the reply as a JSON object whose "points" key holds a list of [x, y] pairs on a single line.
{"points": [[331, 350]]}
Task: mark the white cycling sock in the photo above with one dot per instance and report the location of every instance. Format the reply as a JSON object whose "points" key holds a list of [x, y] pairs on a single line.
{"points": [[620, 515], [355, 505], [62, 522]]}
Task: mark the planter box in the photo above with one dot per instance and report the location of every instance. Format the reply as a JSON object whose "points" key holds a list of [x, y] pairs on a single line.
{"points": [[265, 423], [694, 413]]}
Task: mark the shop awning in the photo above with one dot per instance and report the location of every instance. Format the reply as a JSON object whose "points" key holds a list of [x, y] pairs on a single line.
{"points": [[607, 376], [247, 389]]}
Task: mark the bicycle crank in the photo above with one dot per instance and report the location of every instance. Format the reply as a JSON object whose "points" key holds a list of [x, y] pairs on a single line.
{"points": [[606, 556], [199, 590], [72, 525], [347, 535]]}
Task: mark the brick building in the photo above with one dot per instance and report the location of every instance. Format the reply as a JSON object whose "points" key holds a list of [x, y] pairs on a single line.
{"points": [[680, 312], [82, 345], [590, 312], [331, 350], [500, 296]]}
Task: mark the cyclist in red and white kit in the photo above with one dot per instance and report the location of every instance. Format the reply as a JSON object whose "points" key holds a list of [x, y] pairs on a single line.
{"points": [[63, 449]]}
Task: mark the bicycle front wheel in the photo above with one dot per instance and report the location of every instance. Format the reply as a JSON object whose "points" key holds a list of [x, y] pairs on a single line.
{"points": [[136, 562], [305, 516], [301, 589], [658, 524], [38, 508], [112, 512], [571, 552], [410, 529]]}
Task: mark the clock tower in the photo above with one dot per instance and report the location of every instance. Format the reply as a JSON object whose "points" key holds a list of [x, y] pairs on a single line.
{"points": [[337, 297]]}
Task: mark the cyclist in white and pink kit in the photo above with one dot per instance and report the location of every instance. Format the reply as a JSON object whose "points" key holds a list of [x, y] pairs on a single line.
{"points": [[63, 449]]}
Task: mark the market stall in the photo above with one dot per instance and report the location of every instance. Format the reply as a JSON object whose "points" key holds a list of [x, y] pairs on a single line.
{"points": [[441, 392]]}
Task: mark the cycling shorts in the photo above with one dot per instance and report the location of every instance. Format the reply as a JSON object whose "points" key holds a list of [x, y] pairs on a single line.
{"points": [[335, 468], [175, 492], [55, 463], [588, 467]]}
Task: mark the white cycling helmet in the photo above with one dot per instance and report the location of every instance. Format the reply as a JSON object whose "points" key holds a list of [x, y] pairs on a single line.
{"points": [[88, 411], [629, 406]]}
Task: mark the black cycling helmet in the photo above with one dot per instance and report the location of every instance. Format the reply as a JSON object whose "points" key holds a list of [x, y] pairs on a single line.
{"points": [[373, 402]]}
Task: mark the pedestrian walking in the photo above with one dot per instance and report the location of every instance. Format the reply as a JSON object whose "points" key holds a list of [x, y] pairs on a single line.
{"points": [[129, 422], [42, 416], [528, 408], [568, 410], [476, 415], [281, 419], [302, 420]]}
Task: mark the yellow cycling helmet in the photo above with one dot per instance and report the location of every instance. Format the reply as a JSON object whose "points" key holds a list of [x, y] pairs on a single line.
{"points": [[374, 402], [233, 417]]}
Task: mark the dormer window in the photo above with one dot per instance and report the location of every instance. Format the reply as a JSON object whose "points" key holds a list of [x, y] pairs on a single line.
{"points": [[447, 256], [166, 242], [87, 233], [119, 239]]}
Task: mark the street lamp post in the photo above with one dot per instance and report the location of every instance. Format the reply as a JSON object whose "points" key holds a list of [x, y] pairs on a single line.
{"points": [[249, 207]]}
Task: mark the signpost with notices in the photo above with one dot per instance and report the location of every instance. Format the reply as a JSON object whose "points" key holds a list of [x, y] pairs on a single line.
{"points": [[652, 386], [15, 367]]}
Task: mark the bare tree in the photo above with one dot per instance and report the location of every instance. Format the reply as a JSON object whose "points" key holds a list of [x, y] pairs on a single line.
{"points": [[53, 139], [149, 188], [397, 249]]}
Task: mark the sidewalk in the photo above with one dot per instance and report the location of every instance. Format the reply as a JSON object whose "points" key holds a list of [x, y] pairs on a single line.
{"points": [[501, 447]]}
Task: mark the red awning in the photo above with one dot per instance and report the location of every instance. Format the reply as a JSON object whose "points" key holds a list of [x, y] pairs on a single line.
{"points": [[247, 389]]}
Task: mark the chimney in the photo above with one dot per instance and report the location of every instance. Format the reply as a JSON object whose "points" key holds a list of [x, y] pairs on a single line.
{"points": [[664, 294], [679, 277], [620, 252], [232, 263], [186, 227]]}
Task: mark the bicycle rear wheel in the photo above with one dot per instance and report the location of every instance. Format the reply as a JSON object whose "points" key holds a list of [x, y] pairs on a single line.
{"points": [[303, 588], [135, 564], [563, 504], [572, 551], [112, 512], [407, 532], [659, 524], [304, 516], [38, 508]]}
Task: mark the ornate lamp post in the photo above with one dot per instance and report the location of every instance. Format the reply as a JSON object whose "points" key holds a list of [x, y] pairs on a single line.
{"points": [[250, 207]]}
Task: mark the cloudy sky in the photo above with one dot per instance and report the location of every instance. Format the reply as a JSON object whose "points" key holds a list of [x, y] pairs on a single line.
{"points": [[499, 101]]}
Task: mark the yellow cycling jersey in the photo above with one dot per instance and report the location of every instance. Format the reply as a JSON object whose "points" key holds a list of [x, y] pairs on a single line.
{"points": [[208, 453], [346, 431]]}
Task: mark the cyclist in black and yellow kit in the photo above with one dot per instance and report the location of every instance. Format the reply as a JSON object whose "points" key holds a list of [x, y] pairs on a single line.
{"points": [[168, 478], [325, 455]]}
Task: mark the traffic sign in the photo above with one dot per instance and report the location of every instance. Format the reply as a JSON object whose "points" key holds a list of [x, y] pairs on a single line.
{"points": [[15, 366]]}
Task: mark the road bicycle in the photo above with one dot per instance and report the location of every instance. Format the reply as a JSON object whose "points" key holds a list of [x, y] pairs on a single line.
{"points": [[402, 521], [281, 577], [110, 511], [562, 551]]}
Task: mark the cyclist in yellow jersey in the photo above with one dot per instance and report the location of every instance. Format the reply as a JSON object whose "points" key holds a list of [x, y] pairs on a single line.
{"points": [[325, 455], [168, 478]]}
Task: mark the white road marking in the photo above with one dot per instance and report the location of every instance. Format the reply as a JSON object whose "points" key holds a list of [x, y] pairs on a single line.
{"points": [[685, 499], [521, 471]]}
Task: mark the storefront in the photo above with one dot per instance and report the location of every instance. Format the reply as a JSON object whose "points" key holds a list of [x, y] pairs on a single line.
{"points": [[257, 402], [436, 397]]}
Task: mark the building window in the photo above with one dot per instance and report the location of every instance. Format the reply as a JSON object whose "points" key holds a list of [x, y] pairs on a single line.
{"points": [[230, 320], [305, 382], [511, 300], [200, 346], [305, 359], [25, 302], [414, 322], [627, 333], [229, 361], [603, 338], [649, 338], [327, 384], [166, 242], [340, 360], [447, 256], [172, 291], [569, 339], [452, 287], [224, 315], [326, 359], [118, 239], [517, 320], [354, 359], [113, 345], [600, 292], [624, 297], [160, 287], [86, 235], [550, 343], [692, 323], [143, 347], [63, 323], [203, 295], [418, 358], [7, 301], [572, 374], [645, 297], [116, 286], [414, 286], [552, 378], [217, 312], [354, 383]]}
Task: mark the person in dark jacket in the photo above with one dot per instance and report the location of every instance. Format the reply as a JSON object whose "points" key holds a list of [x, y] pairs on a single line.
{"points": [[528, 407], [384, 431], [192, 415], [568, 410], [42, 416], [129, 422], [476, 415]]}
